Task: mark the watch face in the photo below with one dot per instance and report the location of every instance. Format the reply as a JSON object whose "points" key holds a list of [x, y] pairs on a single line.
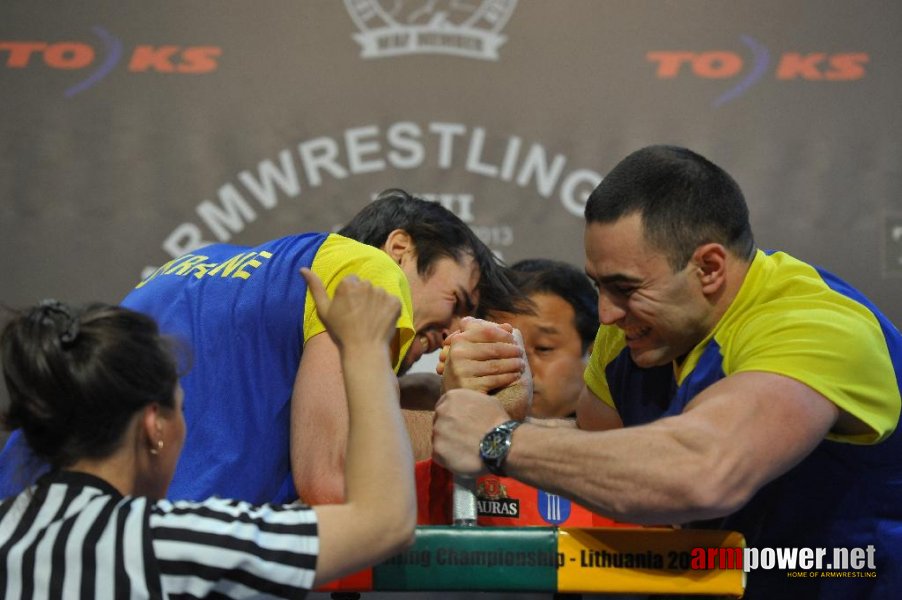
{"points": [[494, 445]]}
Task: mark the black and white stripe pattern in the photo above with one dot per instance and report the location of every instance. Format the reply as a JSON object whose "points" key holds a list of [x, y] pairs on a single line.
{"points": [[74, 536]]}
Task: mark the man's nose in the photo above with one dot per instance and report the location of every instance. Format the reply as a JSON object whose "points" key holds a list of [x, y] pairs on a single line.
{"points": [[609, 312]]}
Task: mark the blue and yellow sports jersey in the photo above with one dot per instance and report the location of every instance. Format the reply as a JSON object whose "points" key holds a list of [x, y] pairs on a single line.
{"points": [[245, 314], [795, 320]]}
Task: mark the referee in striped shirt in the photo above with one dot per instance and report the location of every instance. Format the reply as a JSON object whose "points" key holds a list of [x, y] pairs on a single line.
{"points": [[95, 392]]}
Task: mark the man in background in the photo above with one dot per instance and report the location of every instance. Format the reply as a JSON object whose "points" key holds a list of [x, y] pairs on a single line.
{"points": [[558, 336]]}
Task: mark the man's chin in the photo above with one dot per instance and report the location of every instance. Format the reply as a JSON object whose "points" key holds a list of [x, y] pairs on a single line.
{"points": [[647, 359], [407, 363], [414, 354], [403, 369]]}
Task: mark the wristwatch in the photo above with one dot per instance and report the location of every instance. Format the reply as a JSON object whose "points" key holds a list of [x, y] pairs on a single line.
{"points": [[495, 445]]}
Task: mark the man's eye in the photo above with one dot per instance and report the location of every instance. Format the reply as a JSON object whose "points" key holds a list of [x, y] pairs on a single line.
{"points": [[544, 349]]}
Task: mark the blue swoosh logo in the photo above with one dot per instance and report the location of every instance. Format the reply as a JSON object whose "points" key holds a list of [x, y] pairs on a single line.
{"points": [[113, 46], [761, 60]]}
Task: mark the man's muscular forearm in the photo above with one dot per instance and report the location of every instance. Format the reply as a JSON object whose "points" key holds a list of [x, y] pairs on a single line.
{"points": [[553, 423], [419, 429]]}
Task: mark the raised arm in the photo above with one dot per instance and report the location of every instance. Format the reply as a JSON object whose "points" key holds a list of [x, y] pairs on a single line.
{"points": [[319, 424], [371, 525]]}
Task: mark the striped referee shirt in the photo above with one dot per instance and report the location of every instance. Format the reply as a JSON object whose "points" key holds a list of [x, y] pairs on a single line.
{"points": [[72, 535]]}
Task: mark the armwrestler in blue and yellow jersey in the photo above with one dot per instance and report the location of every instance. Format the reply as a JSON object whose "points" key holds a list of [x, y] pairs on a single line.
{"points": [[246, 315], [800, 322], [265, 400], [754, 389]]}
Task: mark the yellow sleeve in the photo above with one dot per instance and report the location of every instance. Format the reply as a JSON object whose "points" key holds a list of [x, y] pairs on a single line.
{"points": [[603, 352], [837, 349], [339, 257]]}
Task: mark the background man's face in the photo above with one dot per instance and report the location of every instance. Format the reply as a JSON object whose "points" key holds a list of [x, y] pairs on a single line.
{"points": [[554, 350]]}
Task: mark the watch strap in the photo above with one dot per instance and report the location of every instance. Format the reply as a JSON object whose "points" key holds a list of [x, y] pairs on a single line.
{"points": [[496, 465]]}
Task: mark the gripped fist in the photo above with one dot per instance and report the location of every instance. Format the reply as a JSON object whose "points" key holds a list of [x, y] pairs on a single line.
{"points": [[482, 356], [358, 313], [516, 398], [462, 418]]}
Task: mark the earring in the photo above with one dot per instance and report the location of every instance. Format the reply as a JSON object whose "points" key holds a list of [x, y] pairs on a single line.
{"points": [[159, 447]]}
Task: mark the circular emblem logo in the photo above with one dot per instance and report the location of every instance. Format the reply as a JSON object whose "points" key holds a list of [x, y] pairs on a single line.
{"points": [[553, 508]]}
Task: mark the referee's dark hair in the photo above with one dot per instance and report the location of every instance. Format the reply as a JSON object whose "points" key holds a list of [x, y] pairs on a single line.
{"points": [[437, 233], [77, 376]]}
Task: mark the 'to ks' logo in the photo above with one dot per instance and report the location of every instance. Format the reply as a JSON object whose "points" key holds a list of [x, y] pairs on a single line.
{"points": [[397, 27], [100, 59], [749, 70]]}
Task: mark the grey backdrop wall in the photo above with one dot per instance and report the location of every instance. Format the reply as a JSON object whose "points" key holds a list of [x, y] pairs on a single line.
{"points": [[132, 132]]}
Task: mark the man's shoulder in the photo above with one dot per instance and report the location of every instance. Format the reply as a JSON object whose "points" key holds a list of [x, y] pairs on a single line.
{"points": [[344, 255], [781, 290], [353, 249]]}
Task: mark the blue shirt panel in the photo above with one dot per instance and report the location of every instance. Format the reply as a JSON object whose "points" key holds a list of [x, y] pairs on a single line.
{"points": [[247, 338]]}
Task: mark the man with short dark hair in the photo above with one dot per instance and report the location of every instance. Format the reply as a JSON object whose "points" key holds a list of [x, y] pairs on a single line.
{"points": [[733, 384], [557, 333]]}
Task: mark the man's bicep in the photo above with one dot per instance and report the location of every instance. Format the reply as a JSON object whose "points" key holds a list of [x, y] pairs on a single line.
{"points": [[593, 414], [755, 426], [319, 423]]}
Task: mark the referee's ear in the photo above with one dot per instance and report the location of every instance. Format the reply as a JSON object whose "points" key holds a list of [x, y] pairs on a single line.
{"points": [[152, 428]]}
